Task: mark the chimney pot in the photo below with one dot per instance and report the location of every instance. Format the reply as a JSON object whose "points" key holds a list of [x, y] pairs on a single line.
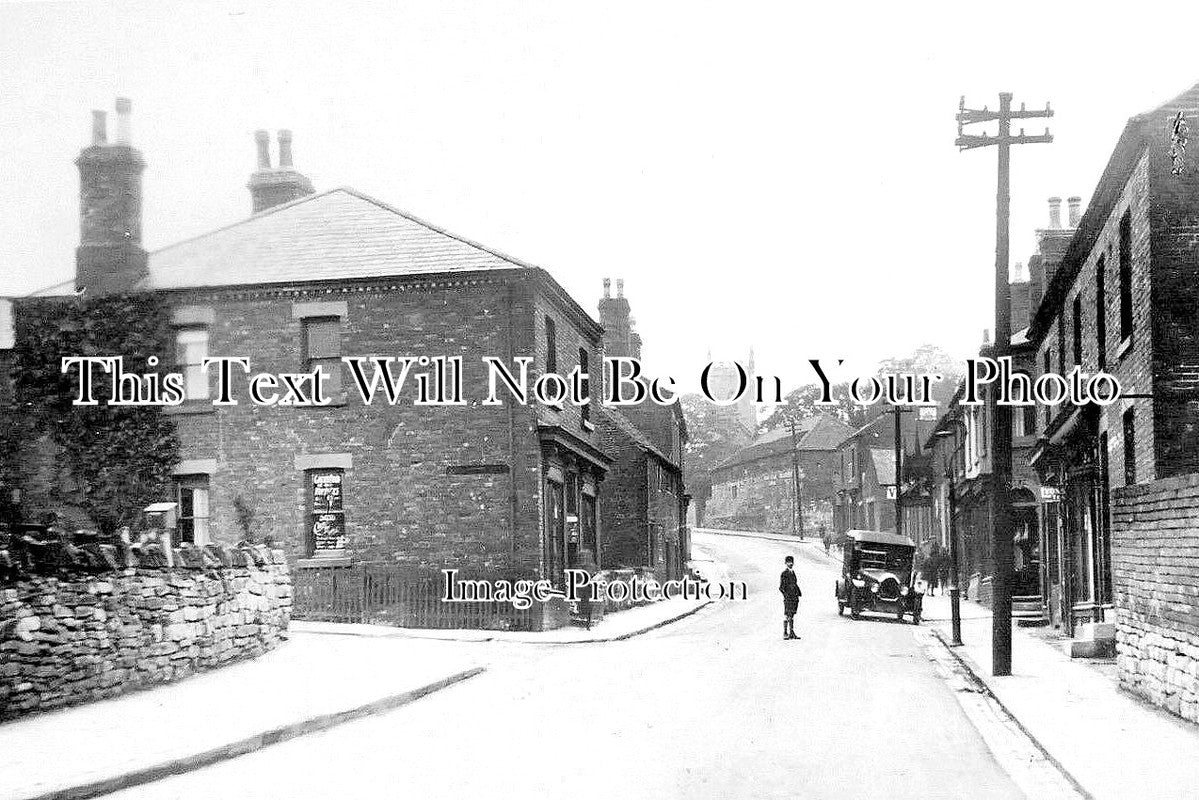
{"points": [[1075, 206], [263, 140], [284, 148], [620, 287], [99, 128], [607, 287], [124, 121], [1055, 212]]}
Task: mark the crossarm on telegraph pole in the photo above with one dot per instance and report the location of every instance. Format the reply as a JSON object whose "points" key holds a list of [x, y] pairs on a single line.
{"points": [[1001, 430]]}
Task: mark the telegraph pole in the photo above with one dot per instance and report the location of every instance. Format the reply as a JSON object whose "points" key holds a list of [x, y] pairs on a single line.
{"points": [[797, 508], [1001, 427]]}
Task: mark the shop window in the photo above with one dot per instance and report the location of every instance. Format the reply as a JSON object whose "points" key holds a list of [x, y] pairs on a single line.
{"points": [[191, 348], [191, 493], [322, 349], [327, 523]]}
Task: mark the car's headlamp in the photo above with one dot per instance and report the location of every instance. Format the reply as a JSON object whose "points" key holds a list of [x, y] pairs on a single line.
{"points": [[858, 582], [874, 588], [904, 590]]}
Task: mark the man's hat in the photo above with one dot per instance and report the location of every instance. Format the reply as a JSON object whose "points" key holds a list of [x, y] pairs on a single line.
{"points": [[789, 560]]}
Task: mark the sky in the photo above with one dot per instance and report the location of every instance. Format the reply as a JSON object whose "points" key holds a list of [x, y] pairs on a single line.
{"points": [[765, 175]]}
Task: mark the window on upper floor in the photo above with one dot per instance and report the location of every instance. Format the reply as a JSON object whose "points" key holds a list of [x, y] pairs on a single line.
{"points": [[322, 348], [1045, 371], [1126, 275], [1101, 312], [584, 361], [551, 345], [1078, 329], [191, 348]]}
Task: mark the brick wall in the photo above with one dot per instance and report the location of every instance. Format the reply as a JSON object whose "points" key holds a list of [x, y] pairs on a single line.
{"points": [[1132, 362], [404, 499], [1155, 570], [624, 499], [764, 490], [69, 640], [1174, 241]]}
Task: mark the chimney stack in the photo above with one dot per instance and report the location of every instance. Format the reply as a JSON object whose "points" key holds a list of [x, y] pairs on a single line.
{"points": [[1075, 205], [263, 140], [1055, 213], [284, 148], [110, 258], [614, 317], [124, 121], [274, 186]]}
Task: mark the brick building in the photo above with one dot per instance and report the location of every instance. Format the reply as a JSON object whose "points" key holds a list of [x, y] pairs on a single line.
{"points": [[1122, 299], [309, 278], [755, 489], [864, 490], [961, 442], [643, 501]]}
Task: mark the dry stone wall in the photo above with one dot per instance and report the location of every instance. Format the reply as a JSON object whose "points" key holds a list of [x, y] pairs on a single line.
{"points": [[68, 639]]}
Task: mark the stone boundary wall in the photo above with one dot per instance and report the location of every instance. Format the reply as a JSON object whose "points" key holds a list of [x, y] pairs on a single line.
{"points": [[1155, 574], [74, 638]]}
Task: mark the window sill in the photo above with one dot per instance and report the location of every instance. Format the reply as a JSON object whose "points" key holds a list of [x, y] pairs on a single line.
{"points": [[1124, 347], [191, 407]]}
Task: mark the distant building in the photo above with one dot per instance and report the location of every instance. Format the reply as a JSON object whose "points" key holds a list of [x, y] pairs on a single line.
{"points": [[755, 489], [865, 487]]}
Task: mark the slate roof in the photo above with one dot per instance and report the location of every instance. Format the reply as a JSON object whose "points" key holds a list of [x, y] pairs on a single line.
{"points": [[820, 432], [333, 235], [623, 425]]}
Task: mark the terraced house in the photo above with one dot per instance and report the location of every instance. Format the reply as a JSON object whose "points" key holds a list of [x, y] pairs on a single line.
{"points": [[1118, 514], [311, 277]]}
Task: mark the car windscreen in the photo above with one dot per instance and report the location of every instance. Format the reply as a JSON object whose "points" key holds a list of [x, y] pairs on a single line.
{"points": [[887, 558]]}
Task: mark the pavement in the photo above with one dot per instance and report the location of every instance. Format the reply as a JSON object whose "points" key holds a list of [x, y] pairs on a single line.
{"points": [[715, 704], [309, 683], [1112, 744]]}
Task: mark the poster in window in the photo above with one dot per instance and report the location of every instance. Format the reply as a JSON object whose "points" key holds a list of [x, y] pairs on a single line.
{"points": [[326, 492], [328, 521], [328, 532]]}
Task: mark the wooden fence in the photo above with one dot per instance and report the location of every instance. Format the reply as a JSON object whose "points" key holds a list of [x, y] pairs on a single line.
{"points": [[385, 594]]}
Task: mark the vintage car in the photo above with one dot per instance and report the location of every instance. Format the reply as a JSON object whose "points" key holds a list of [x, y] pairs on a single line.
{"points": [[877, 574]]}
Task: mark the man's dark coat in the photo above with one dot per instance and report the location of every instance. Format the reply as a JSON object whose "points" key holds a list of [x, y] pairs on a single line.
{"points": [[789, 586]]}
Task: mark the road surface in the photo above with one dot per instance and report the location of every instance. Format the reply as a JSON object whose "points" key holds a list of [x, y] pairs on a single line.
{"points": [[716, 705]]}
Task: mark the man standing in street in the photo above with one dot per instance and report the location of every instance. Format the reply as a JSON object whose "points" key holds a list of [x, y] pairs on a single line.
{"points": [[789, 586]]}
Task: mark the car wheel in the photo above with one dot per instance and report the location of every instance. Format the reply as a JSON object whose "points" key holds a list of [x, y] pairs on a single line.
{"points": [[840, 608], [915, 617], [899, 615]]}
